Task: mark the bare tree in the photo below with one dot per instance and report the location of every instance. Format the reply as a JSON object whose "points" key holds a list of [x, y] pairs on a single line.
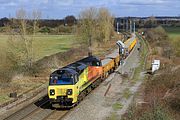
{"points": [[87, 25], [16, 50], [151, 22], [106, 24], [96, 25], [36, 15], [20, 42], [22, 17]]}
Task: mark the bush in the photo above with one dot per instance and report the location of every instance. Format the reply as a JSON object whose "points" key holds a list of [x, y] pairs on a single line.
{"points": [[5, 76], [176, 45], [45, 30], [156, 114], [157, 35]]}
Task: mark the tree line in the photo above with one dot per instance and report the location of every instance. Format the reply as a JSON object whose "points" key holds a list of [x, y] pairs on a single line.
{"points": [[68, 20], [66, 25], [51, 26]]}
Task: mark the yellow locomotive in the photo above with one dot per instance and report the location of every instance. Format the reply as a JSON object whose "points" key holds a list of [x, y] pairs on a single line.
{"points": [[70, 84]]}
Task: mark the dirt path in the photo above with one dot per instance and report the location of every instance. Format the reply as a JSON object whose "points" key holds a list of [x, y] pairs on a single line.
{"points": [[96, 106]]}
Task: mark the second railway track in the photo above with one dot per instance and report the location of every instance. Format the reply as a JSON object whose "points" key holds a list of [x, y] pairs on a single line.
{"points": [[39, 110]]}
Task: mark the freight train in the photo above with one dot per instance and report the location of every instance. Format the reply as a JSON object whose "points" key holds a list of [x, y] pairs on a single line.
{"points": [[70, 84]]}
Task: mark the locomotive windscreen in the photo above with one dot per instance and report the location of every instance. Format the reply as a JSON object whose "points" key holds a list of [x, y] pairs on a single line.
{"points": [[61, 78]]}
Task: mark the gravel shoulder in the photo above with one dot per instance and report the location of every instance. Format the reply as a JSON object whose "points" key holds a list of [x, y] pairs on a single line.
{"points": [[98, 106]]}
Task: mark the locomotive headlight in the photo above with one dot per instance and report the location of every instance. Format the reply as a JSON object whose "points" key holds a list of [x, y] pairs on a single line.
{"points": [[52, 92], [69, 91]]}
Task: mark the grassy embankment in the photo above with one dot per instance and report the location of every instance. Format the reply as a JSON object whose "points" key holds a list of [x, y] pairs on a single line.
{"points": [[160, 99], [174, 35]]}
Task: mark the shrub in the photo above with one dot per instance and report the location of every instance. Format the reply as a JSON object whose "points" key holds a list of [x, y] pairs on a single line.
{"points": [[157, 35], [176, 45], [45, 30], [158, 113]]}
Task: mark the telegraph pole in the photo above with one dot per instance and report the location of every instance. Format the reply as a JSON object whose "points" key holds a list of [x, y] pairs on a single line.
{"points": [[130, 26], [117, 27], [124, 24], [90, 46], [134, 27], [127, 24]]}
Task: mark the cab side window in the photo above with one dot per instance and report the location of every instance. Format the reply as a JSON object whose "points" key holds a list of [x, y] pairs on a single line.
{"points": [[93, 63], [96, 63], [76, 79]]}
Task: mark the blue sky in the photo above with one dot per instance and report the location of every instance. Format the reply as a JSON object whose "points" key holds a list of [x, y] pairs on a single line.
{"points": [[61, 8]]}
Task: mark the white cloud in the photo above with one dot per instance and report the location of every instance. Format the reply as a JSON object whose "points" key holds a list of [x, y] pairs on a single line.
{"points": [[63, 2], [137, 1], [10, 4], [45, 1], [128, 7]]}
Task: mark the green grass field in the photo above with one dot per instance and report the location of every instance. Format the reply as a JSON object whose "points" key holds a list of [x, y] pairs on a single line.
{"points": [[172, 29], [174, 35], [45, 45], [173, 32], [50, 44]]}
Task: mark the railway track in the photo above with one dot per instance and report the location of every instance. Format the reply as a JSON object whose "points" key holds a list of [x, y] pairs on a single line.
{"points": [[39, 110], [56, 115]]}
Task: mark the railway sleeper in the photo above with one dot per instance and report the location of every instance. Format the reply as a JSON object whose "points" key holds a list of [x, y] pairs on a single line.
{"points": [[88, 90]]}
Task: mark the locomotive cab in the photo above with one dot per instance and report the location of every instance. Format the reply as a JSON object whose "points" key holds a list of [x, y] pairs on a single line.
{"points": [[62, 88], [69, 84]]}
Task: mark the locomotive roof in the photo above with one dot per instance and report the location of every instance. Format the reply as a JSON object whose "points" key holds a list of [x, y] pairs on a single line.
{"points": [[73, 68], [90, 59], [77, 67]]}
